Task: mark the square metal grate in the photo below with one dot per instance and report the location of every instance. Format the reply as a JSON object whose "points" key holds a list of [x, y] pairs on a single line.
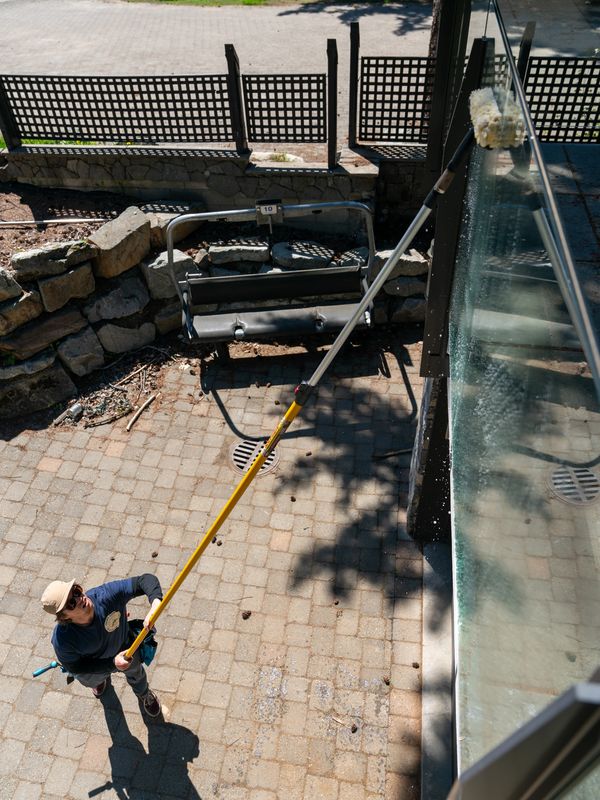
{"points": [[395, 98], [564, 98], [285, 108], [121, 109]]}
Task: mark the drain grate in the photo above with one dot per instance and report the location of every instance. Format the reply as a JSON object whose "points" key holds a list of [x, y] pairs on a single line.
{"points": [[243, 454], [578, 486]]}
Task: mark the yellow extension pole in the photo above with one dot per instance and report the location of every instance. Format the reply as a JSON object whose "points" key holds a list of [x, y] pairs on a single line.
{"points": [[260, 459], [295, 407]]}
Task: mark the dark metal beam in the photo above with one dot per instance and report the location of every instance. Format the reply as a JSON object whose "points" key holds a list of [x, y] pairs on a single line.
{"points": [[8, 124], [434, 360], [332, 71], [234, 83], [448, 50], [353, 90]]}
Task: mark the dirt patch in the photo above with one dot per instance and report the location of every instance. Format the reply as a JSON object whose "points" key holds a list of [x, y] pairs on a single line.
{"points": [[27, 203], [21, 203]]}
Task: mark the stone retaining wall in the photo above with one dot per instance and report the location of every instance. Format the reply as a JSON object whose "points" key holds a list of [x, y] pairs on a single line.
{"points": [[218, 179], [68, 307]]}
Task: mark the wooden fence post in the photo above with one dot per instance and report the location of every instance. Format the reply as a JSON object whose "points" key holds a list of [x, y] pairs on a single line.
{"points": [[525, 50], [8, 124], [448, 51], [234, 84], [353, 90], [332, 66], [449, 222]]}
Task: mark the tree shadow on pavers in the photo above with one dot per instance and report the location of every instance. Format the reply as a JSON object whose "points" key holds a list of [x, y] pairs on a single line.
{"points": [[362, 357], [413, 16], [262, 373], [366, 547], [366, 429], [357, 427], [162, 772]]}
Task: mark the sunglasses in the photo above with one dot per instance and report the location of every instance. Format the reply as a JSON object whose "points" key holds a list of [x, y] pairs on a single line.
{"points": [[75, 595]]}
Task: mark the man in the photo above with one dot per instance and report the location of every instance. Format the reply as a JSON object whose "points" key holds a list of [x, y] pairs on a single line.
{"points": [[92, 634]]}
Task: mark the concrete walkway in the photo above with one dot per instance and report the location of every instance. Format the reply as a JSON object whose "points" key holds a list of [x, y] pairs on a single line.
{"points": [[90, 37], [315, 696]]}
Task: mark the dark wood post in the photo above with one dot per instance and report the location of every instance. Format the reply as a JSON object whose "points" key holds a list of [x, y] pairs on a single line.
{"points": [[234, 83], [332, 65], [525, 50], [434, 359], [447, 50], [353, 90], [8, 123]]}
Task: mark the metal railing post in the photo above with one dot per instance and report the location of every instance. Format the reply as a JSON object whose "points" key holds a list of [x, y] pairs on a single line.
{"points": [[234, 83], [332, 68], [353, 88], [8, 123]]}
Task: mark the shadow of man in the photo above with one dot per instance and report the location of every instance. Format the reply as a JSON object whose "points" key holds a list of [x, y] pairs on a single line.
{"points": [[162, 771]]}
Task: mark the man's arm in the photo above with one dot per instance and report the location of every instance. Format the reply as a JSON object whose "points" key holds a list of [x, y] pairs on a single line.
{"points": [[149, 585], [88, 665], [72, 660]]}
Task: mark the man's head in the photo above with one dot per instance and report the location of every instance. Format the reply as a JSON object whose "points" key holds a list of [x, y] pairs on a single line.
{"points": [[68, 602]]}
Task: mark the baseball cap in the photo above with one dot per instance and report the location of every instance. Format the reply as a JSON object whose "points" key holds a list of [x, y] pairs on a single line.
{"points": [[56, 595]]}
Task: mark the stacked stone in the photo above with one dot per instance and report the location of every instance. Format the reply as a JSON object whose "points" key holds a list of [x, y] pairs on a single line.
{"points": [[64, 306], [403, 296], [220, 178], [34, 315]]}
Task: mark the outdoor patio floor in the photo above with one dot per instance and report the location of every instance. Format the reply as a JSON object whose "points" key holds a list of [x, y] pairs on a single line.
{"points": [[317, 550]]}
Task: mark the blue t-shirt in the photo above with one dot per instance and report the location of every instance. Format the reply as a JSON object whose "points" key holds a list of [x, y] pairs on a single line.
{"points": [[105, 636]]}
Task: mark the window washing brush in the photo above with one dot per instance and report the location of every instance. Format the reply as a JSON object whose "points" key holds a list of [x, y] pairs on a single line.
{"points": [[496, 123], [496, 118]]}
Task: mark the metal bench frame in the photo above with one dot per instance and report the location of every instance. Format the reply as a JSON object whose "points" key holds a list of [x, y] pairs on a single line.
{"points": [[312, 285]]}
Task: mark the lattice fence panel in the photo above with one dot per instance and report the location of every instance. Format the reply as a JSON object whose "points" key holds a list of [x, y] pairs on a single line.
{"points": [[564, 98], [494, 73], [395, 98], [285, 108], [116, 109]]}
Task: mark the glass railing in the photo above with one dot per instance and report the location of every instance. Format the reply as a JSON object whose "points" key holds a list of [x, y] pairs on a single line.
{"points": [[525, 440]]}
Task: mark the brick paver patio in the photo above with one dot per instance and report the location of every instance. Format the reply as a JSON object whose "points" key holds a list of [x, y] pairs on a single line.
{"points": [[317, 693]]}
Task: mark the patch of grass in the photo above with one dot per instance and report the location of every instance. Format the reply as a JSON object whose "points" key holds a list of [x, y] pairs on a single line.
{"points": [[70, 142], [57, 141]]}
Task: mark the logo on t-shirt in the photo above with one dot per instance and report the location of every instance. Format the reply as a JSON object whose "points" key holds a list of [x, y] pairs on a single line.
{"points": [[111, 623]]}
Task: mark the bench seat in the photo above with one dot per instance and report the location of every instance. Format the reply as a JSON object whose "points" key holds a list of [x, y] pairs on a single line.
{"points": [[273, 322], [294, 302]]}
